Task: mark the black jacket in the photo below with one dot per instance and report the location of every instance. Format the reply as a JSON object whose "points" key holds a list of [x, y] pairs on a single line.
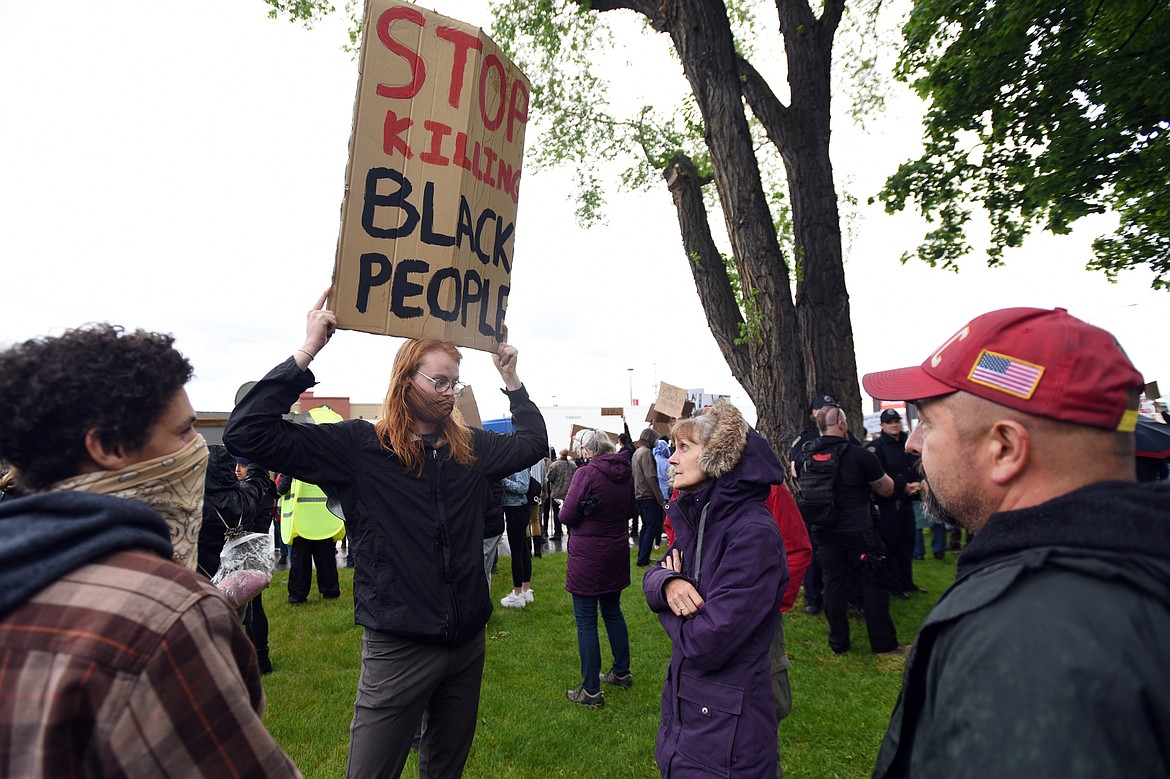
{"points": [[229, 502], [1050, 654], [896, 461], [417, 541], [493, 514]]}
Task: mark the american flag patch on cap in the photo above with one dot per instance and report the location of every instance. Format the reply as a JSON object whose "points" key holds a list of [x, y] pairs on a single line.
{"points": [[1007, 374]]}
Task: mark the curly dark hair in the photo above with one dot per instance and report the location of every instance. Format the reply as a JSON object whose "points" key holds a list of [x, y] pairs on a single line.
{"points": [[97, 377]]}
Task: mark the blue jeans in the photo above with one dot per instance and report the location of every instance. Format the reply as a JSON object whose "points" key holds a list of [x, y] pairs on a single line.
{"points": [[938, 541], [651, 513], [588, 643]]}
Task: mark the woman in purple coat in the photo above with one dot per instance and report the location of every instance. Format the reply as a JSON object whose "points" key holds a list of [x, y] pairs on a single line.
{"points": [[717, 594], [597, 509]]}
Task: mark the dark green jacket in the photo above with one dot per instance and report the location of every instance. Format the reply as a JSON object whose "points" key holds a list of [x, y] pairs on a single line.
{"points": [[1050, 655]]}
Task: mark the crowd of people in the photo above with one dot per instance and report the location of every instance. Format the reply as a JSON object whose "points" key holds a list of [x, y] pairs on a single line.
{"points": [[1046, 657]]}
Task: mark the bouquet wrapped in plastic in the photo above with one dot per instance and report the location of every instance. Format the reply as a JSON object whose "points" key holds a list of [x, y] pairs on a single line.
{"points": [[245, 567]]}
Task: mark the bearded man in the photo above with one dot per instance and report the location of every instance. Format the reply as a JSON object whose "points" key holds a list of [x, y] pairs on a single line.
{"points": [[1048, 656]]}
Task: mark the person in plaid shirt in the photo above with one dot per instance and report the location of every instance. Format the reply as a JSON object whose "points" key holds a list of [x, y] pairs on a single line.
{"points": [[115, 660]]}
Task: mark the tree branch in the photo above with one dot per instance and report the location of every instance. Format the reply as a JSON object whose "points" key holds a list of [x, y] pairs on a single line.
{"points": [[832, 16], [774, 116], [647, 9], [707, 268], [795, 14], [1133, 33]]}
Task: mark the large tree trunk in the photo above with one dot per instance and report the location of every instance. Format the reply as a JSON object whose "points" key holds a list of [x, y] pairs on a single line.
{"points": [[799, 348], [706, 264], [822, 301], [722, 308], [776, 381]]}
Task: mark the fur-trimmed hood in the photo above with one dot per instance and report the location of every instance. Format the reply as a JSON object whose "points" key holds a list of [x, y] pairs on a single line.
{"points": [[725, 448], [741, 462]]}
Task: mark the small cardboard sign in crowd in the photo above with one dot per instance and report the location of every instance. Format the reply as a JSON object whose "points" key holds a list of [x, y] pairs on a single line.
{"points": [[429, 218], [672, 405]]}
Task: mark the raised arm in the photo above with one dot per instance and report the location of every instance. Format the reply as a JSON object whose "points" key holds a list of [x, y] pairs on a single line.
{"points": [[500, 455], [505, 361], [320, 326], [318, 454]]}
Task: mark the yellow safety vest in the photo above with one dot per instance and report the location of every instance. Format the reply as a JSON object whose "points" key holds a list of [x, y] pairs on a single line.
{"points": [[303, 513]]}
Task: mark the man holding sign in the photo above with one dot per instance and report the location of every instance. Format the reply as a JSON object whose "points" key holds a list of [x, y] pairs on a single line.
{"points": [[425, 252], [413, 489]]}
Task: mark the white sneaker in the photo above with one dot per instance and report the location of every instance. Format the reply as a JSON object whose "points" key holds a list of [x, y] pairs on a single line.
{"points": [[513, 601], [528, 596]]}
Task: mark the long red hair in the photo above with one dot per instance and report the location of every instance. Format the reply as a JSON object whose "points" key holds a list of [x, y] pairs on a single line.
{"points": [[395, 429]]}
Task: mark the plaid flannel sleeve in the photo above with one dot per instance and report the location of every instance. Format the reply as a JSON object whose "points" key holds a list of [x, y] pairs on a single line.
{"points": [[196, 708]]}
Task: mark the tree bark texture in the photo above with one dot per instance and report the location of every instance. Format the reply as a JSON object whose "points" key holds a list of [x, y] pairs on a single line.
{"points": [[803, 346], [706, 264], [822, 300], [702, 37]]}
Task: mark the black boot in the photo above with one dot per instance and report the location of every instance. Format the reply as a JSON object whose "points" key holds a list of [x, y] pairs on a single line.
{"points": [[264, 663]]}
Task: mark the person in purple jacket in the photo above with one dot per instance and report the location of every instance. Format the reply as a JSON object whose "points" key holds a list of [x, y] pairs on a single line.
{"points": [[717, 594], [597, 507]]}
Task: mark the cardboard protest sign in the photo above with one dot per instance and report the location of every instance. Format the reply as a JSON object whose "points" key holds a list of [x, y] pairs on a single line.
{"points": [[612, 411], [662, 428], [671, 400], [429, 218], [654, 416], [465, 402]]}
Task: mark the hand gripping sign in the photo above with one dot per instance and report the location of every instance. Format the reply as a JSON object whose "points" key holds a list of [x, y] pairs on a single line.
{"points": [[429, 218]]}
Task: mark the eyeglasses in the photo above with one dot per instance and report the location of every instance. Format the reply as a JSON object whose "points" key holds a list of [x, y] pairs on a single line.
{"points": [[442, 385]]}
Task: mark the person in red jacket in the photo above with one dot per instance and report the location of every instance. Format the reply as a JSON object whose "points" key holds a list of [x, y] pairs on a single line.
{"points": [[798, 550], [797, 545]]}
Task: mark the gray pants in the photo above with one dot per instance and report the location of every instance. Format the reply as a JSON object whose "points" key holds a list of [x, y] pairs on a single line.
{"points": [[491, 551], [400, 681]]}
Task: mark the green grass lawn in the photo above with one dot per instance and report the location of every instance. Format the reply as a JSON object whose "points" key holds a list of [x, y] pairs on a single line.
{"points": [[841, 705]]}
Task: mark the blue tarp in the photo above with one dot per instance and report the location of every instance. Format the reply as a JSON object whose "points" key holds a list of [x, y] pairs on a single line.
{"points": [[498, 425]]}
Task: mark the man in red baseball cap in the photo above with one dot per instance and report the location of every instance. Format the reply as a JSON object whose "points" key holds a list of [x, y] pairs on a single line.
{"points": [[1048, 656]]}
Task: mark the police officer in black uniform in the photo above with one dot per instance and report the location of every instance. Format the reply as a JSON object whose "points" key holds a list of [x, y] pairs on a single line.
{"points": [[895, 520]]}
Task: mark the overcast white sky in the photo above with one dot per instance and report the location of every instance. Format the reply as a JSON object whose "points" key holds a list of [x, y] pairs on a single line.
{"points": [[180, 168]]}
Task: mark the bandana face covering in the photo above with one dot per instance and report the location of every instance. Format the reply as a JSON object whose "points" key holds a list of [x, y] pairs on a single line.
{"points": [[433, 411], [172, 485]]}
